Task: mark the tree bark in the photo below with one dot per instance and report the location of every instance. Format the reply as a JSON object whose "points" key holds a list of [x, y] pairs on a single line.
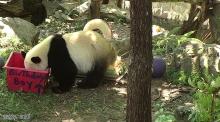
{"points": [[119, 3], [204, 19], [95, 7], [215, 23], [193, 21], [139, 80], [105, 1]]}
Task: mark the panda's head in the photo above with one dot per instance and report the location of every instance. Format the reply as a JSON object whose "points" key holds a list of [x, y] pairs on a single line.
{"points": [[37, 57], [35, 62]]}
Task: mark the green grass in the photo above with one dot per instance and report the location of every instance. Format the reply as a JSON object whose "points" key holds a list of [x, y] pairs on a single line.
{"points": [[18, 103], [101, 104]]}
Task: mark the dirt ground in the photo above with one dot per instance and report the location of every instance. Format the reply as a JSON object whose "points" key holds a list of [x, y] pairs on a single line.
{"points": [[103, 104]]}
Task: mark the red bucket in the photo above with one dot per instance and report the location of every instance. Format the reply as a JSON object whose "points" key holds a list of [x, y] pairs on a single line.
{"points": [[20, 79]]}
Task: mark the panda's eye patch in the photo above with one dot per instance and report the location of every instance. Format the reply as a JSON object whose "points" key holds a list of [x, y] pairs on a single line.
{"points": [[36, 60]]}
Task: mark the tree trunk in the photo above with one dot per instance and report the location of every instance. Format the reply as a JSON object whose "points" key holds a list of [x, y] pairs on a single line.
{"points": [[105, 1], [215, 22], [139, 80], [193, 21], [204, 19], [119, 3], [95, 7]]}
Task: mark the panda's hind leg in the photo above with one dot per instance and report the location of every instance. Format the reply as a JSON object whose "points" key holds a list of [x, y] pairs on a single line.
{"points": [[95, 76]]}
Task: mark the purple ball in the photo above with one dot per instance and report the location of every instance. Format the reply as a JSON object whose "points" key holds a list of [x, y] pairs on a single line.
{"points": [[158, 67]]}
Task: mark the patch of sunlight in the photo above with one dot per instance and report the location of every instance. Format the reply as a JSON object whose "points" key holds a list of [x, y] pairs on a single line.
{"points": [[57, 113], [112, 10], [156, 30], [7, 29], [189, 104], [115, 36], [169, 94], [120, 91], [80, 119], [68, 120]]}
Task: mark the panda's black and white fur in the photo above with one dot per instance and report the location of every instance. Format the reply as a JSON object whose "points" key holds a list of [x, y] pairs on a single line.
{"points": [[86, 51]]}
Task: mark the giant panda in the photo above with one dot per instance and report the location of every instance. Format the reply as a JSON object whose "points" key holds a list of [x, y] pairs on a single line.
{"points": [[86, 51]]}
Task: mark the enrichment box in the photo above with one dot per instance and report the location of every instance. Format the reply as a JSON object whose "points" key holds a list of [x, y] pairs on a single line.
{"points": [[20, 79]]}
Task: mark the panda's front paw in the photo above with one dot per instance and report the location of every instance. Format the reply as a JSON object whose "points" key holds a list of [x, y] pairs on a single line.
{"points": [[57, 90], [86, 85], [83, 86]]}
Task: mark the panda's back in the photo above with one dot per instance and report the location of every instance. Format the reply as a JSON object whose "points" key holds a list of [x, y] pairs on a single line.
{"points": [[85, 48]]}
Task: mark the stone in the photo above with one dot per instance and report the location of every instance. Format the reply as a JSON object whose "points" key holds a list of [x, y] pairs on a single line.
{"points": [[17, 30]]}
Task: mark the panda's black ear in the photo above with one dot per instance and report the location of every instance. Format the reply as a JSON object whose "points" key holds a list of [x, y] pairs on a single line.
{"points": [[23, 54], [36, 60]]}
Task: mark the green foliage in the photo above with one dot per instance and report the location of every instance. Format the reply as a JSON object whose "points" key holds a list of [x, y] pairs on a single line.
{"points": [[162, 115], [177, 76], [5, 53], [202, 108], [207, 107], [216, 83], [14, 45], [167, 43], [217, 109], [205, 82], [195, 80]]}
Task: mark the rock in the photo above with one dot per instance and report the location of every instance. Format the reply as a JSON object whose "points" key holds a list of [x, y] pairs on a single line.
{"points": [[189, 53], [193, 47], [171, 10], [17, 30], [196, 56], [31, 10], [210, 59], [60, 15], [68, 4]]}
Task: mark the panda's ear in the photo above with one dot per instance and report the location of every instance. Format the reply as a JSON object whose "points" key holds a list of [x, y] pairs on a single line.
{"points": [[36, 60], [23, 54]]}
